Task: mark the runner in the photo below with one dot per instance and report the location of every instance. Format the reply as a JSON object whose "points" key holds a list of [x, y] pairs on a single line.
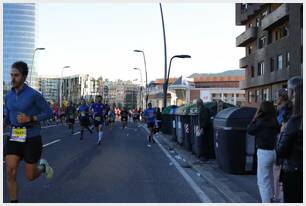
{"points": [[111, 119], [62, 113], [124, 117], [26, 108], [91, 115], [106, 110], [55, 113], [97, 109], [84, 117], [136, 115], [70, 115], [149, 116]]}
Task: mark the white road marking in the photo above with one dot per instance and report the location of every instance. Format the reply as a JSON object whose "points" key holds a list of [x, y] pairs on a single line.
{"points": [[203, 197], [55, 141], [76, 133], [45, 127]]}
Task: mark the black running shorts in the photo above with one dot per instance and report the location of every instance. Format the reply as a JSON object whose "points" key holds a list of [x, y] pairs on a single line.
{"points": [[30, 151], [151, 125], [84, 122]]}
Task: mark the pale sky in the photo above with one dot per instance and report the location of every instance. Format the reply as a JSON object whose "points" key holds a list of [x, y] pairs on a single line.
{"points": [[99, 38]]}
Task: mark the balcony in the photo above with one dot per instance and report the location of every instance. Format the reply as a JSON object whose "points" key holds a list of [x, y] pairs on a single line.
{"points": [[243, 16], [247, 60], [267, 78], [246, 37], [276, 17], [243, 84]]}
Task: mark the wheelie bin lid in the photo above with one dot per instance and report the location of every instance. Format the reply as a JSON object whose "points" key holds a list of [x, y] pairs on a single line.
{"points": [[169, 109], [181, 110], [236, 113]]}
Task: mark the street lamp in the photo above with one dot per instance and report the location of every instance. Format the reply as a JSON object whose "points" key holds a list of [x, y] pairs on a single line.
{"points": [[165, 54], [145, 65], [141, 84], [33, 62], [166, 81], [61, 84]]}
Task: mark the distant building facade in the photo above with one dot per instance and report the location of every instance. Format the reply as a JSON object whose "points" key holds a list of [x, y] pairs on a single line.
{"points": [[49, 88], [19, 39]]}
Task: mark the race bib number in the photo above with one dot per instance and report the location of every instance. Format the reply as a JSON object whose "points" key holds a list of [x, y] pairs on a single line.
{"points": [[98, 118], [83, 114], [71, 116], [19, 134]]}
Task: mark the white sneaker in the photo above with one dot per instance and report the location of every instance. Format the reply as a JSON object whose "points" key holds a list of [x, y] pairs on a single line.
{"points": [[48, 169], [148, 145]]}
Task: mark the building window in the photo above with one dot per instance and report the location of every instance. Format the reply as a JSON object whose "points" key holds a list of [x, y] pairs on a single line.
{"points": [[260, 68], [258, 22], [280, 62], [265, 13], [252, 71], [262, 42], [281, 32], [287, 59], [277, 35], [257, 96], [284, 31], [244, 8], [272, 64], [265, 94], [250, 49], [270, 37]]}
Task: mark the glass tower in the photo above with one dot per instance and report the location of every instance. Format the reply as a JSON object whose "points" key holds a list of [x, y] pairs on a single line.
{"points": [[18, 39]]}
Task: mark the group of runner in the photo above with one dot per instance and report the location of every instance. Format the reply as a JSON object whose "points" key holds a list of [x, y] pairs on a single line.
{"points": [[96, 114], [25, 108]]}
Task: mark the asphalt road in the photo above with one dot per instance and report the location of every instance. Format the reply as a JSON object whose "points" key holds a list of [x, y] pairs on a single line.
{"points": [[121, 169]]}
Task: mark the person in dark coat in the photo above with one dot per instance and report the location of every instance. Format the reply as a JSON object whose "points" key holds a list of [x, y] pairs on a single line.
{"points": [[290, 145], [284, 111], [265, 128], [206, 130]]}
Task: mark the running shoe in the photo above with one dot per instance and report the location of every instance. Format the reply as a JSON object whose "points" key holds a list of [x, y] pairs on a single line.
{"points": [[48, 169]]}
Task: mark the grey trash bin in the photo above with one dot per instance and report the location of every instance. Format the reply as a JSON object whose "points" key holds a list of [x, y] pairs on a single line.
{"points": [[235, 150]]}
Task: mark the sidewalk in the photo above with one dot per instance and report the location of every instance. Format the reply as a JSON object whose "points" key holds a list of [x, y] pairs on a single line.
{"points": [[230, 188]]}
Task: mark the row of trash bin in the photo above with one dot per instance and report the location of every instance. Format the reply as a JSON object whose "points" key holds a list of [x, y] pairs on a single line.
{"points": [[228, 142]]}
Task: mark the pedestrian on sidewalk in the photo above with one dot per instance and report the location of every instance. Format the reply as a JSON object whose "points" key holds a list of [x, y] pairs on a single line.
{"points": [[265, 128], [284, 111], [290, 145], [205, 130]]}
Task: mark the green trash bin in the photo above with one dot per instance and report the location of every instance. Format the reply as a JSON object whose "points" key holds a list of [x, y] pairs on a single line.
{"points": [[167, 118], [187, 128], [235, 149], [197, 142]]}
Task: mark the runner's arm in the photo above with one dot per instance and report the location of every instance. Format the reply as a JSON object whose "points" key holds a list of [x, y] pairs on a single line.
{"points": [[7, 118], [44, 108]]}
